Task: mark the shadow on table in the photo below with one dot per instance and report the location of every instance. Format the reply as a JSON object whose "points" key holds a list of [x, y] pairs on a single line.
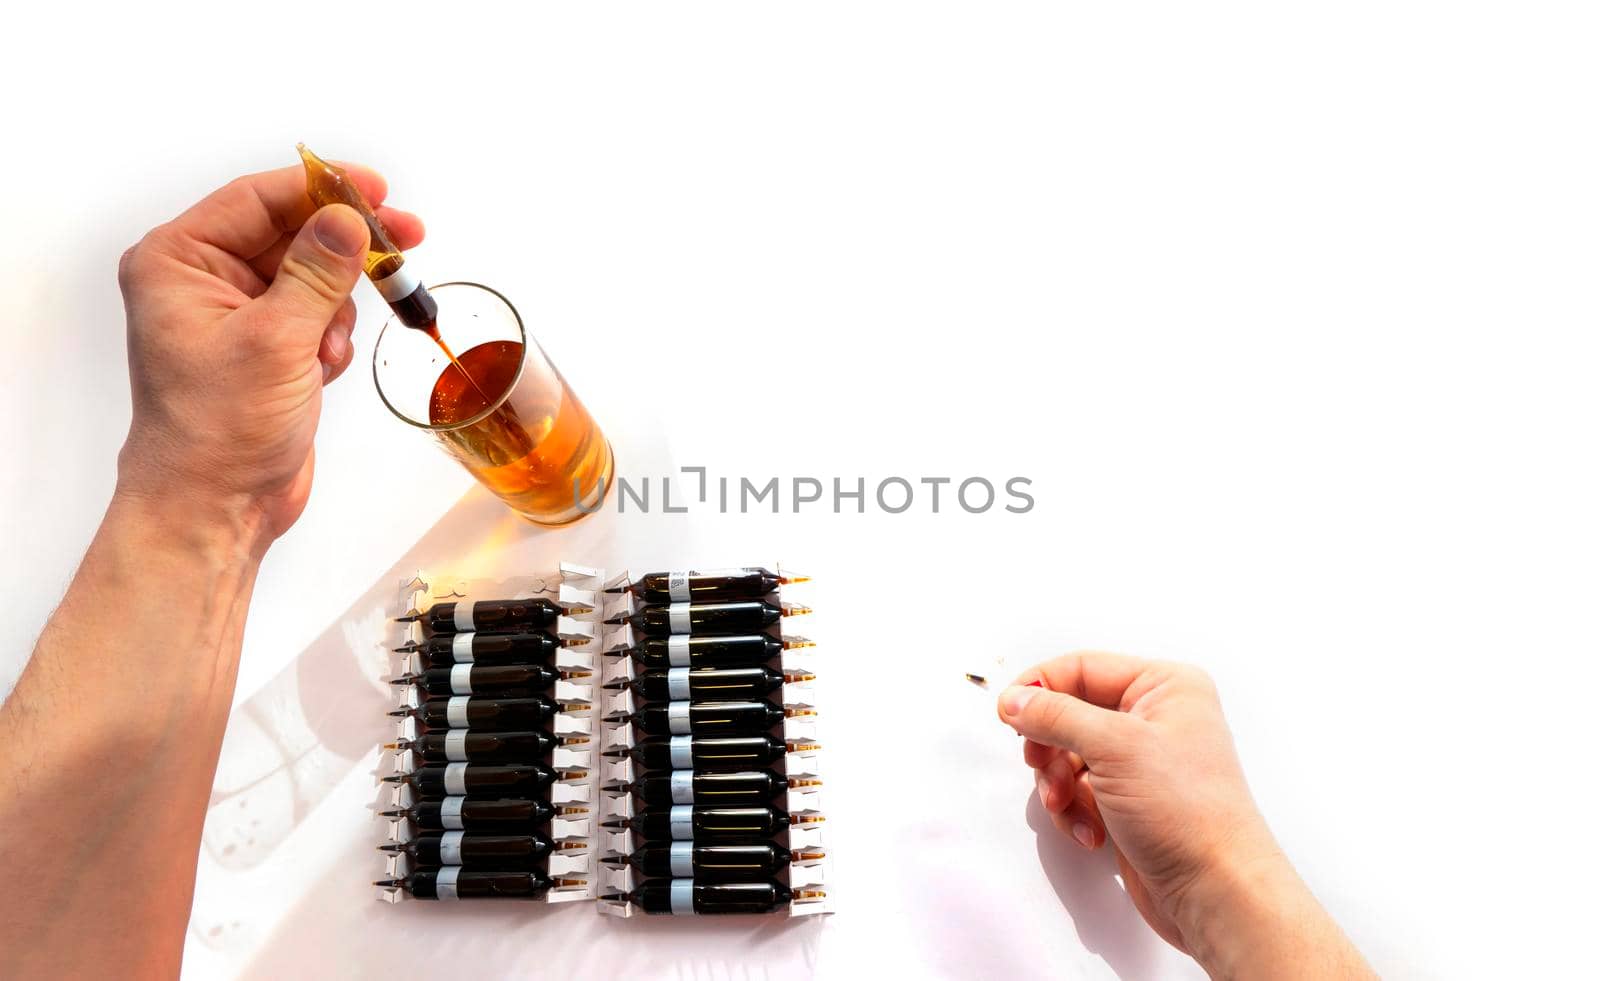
{"points": [[293, 741], [1102, 913]]}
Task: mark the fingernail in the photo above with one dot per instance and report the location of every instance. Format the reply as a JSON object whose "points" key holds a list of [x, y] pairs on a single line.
{"points": [[1043, 786], [1015, 698], [338, 344], [1081, 832], [341, 230]]}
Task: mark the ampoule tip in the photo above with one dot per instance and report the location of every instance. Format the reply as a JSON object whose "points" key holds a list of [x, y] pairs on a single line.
{"points": [[405, 648], [621, 786], [400, 713], [615, 685], [577, 674], [574, 775], [804, 747], [408, 618], [613, 897], [573, 846], [809, 895], [574, 740], [618, 823], [570, 883], [388, 883], [810, 855], [395, 778], [791, 580], [793, 713], [806, 819], [393, 846], [393, 814], [795, 609], [615, 754], [615, 861], [571, 809], [804, 782], [799, 676], [790, 643]]}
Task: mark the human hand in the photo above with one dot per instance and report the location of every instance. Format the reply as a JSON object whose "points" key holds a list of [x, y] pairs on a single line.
{"points": [[1138, 751], [239, 312]]}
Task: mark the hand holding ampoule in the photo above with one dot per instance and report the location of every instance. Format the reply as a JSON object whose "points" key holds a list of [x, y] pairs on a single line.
{"points": [[1163, 779]]}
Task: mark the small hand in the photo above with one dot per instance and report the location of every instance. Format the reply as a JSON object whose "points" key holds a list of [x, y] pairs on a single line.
{"points": [[238, 313], [1139, 750]]}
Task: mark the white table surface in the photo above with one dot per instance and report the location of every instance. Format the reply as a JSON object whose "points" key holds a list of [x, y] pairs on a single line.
{"points": [[1289, 316]]}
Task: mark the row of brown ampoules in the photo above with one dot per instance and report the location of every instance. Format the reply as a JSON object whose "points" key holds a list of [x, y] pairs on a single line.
{"points": [[708, 741], [496, 724]]}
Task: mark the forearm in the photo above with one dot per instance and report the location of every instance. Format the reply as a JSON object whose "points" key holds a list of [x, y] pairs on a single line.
{"points": [[1259, 920], [115, 728]]}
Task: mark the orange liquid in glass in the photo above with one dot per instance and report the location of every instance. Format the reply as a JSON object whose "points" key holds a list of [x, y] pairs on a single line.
{"points": [[533, 447]]}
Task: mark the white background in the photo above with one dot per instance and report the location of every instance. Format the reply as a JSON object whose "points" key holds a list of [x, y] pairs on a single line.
{"points": [[1287, 310]]}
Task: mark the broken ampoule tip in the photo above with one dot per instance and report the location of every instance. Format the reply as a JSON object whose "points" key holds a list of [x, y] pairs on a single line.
{"points": [[978, 679]]}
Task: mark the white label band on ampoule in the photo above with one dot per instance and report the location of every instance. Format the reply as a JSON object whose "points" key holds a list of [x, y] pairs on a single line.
{"points": [[682, 784], [461, 679], [450, 847], [461, 647], [677, 683], [455, 745], [455, 779], [678, 586], [678, 650], [445, 885], [678, 618], [455, 711], [397, 285], [681, 821], [450, 813], [681, 752], [682, 858], [678, 718], [464, 614], [682, 897]]}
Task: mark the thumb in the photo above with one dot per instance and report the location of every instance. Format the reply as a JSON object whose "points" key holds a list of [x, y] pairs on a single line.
{"points": [[317, 272], [1058, 719]]}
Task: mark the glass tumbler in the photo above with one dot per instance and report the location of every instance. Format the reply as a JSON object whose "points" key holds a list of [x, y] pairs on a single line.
{"points": [[501, 407]]}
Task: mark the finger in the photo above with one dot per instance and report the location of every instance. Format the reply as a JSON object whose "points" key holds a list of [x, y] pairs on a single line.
{"points": [[1063, 721], [248, 215], [316, 275], [1093, 676], [1083, 827], [1038, 755], [403, 227], [1056, 784], [1083, 798], [335, 351]]}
